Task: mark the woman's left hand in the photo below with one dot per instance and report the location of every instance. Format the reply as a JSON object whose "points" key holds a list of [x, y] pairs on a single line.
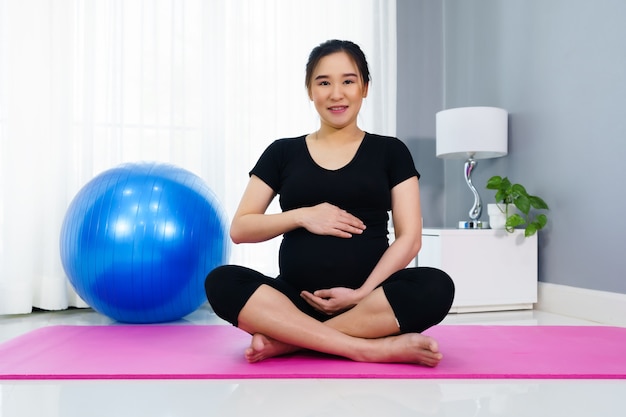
{"points": [[333, 300]]}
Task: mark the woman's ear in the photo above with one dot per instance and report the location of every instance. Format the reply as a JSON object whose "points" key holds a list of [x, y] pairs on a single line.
{"points": [[365, 90]]}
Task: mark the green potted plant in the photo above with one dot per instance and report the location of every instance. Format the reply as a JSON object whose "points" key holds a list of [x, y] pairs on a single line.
{"points": [[508, 195]]}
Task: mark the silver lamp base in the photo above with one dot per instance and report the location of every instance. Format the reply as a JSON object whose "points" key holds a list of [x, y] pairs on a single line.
{"points": [[473, 224]]}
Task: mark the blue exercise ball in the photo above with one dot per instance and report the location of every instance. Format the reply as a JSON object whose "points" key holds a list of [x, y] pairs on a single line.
{"points": [[138, 240]]}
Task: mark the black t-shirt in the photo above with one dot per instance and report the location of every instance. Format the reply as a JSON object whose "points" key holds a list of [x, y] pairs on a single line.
{"points": [[362, 188]]}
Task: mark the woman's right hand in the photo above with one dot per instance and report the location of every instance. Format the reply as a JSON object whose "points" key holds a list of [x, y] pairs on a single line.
{"points": [[328, 219]]}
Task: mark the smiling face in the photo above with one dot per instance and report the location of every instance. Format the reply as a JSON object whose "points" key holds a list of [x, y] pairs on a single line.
{"points": [[337, 90]]}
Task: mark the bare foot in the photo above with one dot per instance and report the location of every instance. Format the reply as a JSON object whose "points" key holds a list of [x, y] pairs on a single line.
{"points": [[263, 347], [406, 348]]}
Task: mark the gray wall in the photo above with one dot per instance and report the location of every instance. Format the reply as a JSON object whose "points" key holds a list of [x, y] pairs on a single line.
{"points": [[559, 68], [420, 87]]}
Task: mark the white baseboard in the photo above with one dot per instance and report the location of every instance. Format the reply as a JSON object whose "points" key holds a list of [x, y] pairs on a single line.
{"points": [[592, 305]]}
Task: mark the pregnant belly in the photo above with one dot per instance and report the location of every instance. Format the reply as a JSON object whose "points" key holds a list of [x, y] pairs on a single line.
{"points": [[311, 262]]}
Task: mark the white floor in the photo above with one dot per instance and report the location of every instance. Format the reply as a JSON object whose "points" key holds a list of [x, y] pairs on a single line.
{"points": [[307, 398]]}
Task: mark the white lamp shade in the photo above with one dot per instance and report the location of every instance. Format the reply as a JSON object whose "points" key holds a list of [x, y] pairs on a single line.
{"points": [[480, 132]]}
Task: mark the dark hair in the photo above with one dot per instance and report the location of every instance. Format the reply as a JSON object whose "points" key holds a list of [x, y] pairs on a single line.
{"points": [[334, 46]]}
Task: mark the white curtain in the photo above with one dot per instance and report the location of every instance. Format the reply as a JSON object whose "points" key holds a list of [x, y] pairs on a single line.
{"points": [[88, 84]]}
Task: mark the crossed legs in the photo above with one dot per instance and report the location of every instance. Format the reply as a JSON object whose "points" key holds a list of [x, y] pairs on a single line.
{"points": [[366, 333], [280, 321]]}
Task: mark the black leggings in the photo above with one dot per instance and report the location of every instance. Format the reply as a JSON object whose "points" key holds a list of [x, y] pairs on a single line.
{"points": [[420, 297]]}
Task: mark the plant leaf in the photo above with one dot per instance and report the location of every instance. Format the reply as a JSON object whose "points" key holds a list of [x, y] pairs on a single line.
{"points": [[541, 220], [522, 203], [514, 220], [494, 182], [538, 203], [501, 196], [531, 229], [519, 189]]}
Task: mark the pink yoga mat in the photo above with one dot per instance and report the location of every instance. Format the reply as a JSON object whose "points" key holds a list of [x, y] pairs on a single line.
{"points": [[216, 352]]}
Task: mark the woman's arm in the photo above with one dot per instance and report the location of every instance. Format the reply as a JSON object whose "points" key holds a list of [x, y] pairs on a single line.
{"points": [[250, 223], [407, 220]]}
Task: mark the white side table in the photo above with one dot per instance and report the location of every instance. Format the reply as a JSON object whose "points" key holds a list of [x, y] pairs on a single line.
{"points": [[491, 269]]}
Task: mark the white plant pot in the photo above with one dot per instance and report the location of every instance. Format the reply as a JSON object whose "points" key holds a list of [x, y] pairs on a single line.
{"points": [[497, 215]]}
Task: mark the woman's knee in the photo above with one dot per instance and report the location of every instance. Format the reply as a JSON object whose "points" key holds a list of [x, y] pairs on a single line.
{"points": [[440, 289], [229, 287], [443, 286], [421, 298], [214, 279]]}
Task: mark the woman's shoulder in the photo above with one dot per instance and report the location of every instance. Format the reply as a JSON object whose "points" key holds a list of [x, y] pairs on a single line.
{"points": [[396, 154], [291, 141], [384, 141], [285, 145]]}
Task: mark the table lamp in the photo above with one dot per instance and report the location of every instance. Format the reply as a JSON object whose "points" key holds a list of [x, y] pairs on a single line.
{"points": [[472, 133]]}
